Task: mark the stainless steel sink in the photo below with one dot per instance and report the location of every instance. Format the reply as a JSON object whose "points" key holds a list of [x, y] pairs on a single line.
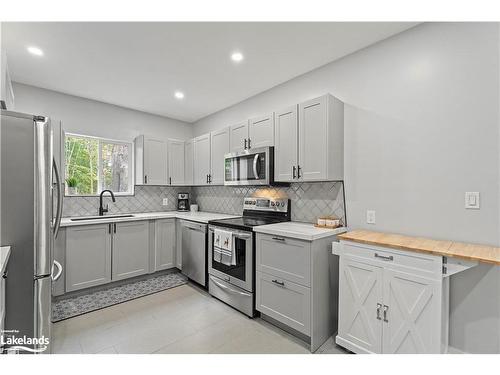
{"points": [[100, 217]]}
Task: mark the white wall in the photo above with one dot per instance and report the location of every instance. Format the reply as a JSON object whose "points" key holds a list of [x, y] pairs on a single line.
{"points": [[421, 128], [91, 117]]}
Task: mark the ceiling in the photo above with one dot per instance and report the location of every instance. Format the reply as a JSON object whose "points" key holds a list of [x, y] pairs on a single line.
{"points": [[141, 65]]}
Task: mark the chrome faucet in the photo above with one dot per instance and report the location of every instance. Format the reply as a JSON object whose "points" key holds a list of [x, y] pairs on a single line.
{"points": [[101, 209]]}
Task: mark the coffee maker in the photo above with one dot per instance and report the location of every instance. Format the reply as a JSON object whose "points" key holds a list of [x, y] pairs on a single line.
{"points": [[183, 202]]}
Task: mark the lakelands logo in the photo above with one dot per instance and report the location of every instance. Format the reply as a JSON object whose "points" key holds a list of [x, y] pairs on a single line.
{"points": [[13, 343]]}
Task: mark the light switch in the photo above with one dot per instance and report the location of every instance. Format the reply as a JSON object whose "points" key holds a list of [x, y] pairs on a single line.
{"points": [[370, 217], [165, 202], [472, 200]]}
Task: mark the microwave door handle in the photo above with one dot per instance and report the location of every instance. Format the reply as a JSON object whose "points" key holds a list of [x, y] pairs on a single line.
{"points": [[255, 161]]}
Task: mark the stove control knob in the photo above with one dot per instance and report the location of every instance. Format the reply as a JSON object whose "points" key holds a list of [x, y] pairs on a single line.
{"points": [[282, 204], [272, 204]]}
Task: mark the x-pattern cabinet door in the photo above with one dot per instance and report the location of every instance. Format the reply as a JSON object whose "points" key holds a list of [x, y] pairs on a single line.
{"points": [[360, 292], [413, 316]]}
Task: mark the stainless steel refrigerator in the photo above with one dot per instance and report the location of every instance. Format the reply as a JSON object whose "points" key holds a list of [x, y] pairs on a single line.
{"points": [[31, 209]]}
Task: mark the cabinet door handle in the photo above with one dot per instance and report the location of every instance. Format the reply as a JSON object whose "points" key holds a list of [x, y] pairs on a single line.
{"points": [[249, 144], [210, 178], [386, 309], [294, 168], [109, 228], [115, 227], [379, 306], [170, 180], [245, 143], [389, 258], [207, 178], [146, 179], [279, 239], [298, 171], [280, 283]]}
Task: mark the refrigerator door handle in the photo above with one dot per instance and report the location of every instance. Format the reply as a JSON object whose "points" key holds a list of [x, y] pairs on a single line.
{"points": [[59, 271], [57, 223]]}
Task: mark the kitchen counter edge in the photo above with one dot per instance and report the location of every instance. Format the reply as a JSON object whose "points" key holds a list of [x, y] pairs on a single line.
{"points": [[466, 251]]}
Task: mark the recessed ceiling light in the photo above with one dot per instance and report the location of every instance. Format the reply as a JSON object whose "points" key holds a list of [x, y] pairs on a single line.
{"points": [[35, 51], [179, 95], [236, 56]]}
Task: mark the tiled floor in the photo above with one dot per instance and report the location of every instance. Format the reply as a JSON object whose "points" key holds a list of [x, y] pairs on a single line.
{"points": [[184, 319]]}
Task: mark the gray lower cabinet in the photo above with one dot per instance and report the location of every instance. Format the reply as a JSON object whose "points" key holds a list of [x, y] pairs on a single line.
{"points": [[130, 249], [164, 244], [88, 256], [285, 301], [297, 285], [58, 287]]}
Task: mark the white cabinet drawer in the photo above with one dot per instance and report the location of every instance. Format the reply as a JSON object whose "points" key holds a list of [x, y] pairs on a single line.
{"points": [[285, 301], [418, 263], [286, 258]]}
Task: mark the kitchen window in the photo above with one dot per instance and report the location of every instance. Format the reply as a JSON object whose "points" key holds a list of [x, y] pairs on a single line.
{"points": [[93, 164]]}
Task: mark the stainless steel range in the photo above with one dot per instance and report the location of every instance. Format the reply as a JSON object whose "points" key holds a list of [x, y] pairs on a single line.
{"points": [[231, 251]]}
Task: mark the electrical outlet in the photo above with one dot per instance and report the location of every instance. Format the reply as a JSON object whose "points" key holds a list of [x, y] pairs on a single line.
{"points": [[370, 217], [472, 200], [165, 202]]}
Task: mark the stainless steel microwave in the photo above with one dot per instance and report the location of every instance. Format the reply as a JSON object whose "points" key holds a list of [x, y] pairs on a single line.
{"points": [[250, 167]]}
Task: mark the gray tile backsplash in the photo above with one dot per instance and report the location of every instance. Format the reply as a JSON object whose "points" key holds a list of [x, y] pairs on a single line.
{"points": [[308, 199], [145, 199]]}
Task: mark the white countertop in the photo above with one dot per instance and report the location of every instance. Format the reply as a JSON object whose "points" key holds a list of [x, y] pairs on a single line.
{"points": [[201, 217], [302, 231], [4, 258]]}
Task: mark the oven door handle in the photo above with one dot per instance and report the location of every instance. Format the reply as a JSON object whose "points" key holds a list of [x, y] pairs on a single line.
{"points": [[230, 290], [242, 236]]}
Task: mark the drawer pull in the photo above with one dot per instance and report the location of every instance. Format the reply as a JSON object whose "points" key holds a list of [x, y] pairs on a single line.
{"points": [[280, 283], [279, 239], [386, 308], [389, 258], [379, 306]]}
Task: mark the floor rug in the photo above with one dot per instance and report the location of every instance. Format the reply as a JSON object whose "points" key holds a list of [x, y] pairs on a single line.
{"points": [[66, 308]]}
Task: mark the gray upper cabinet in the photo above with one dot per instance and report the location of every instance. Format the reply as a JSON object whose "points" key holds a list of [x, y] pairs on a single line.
{"points": [[219, 144], [164, 244], [286, 144], [188, 162], [88, 256], [150, 161], [321, 139], [239, 137], [130, 249], [202, 159], [309, 141], [175, 162], [261, 131]]}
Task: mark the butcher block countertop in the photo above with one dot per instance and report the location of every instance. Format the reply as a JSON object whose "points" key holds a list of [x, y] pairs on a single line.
{"points": [[480, 253]]}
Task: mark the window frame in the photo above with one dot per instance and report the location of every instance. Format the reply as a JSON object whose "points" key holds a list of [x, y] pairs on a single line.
{"points": [[101, 140]]}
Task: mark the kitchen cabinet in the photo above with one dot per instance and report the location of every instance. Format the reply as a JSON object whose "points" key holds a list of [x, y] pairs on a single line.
{"points": [[88, 256], [164, 247], [393, 301], [261, 131], [219, 146], [130, 249], [150, 161], [239, 137], [188, 162], [309, 141], [286, 144], [294, 287], [58, 287], [202, 160], [175, 150]]}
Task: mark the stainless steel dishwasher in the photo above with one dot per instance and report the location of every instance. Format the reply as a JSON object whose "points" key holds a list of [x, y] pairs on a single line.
{"points": [[194, 251]]}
